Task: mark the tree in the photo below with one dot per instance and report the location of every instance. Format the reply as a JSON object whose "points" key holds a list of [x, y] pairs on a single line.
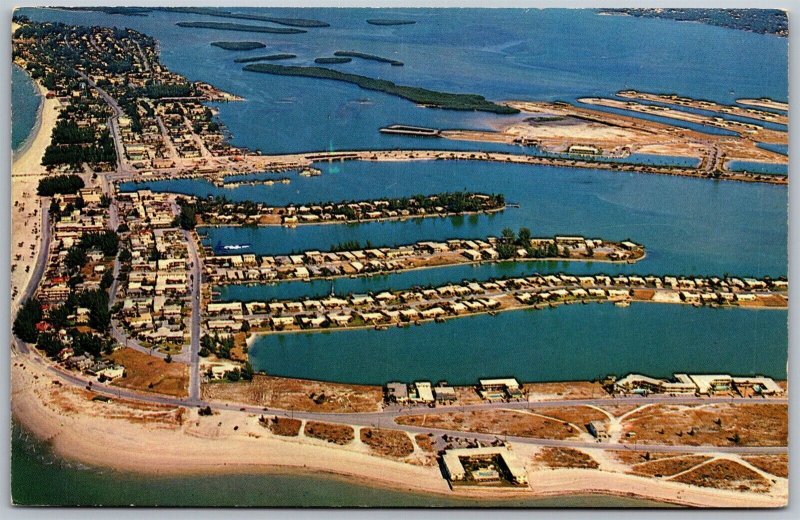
{"points": [[107, 280], [524, 236], [168, 358], [186, 219], [25, 323], [49, 186], [508, 235], [49, 343]]}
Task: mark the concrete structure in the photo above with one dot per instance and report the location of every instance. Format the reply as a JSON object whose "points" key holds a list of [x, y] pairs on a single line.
{"points": [[483, 462]]}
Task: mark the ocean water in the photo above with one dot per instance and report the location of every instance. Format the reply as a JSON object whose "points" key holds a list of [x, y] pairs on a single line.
{"points": [[688, 225], [25, 103]]}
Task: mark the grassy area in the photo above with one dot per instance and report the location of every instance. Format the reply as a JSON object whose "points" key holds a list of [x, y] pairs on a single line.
{"points": [[725, 474], [332, 61], [565, 458], [777, 465], [391, 443], [712, 425], [238, 46], [391, 22], [668, 466], [364, 56], [268, 57], [334, 433], [151, 374], [298, 394], [496, 422], [283, 426], [226, 26], [421, 96]]}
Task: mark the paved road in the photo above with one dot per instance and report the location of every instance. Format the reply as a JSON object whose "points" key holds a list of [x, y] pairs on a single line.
{"points": [[194, 348], [385, 419]]}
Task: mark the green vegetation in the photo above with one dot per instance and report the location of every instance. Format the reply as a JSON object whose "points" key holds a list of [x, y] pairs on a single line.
{"points": [[762, 21], [291, 22], [238, 46], [160, 90], [187, 217], [269, 57], [27, 317], [207, 11], [225, 26], [390, 22], [106, 242], [332, 61], [417, 95], [510, 242], [65, 184], [350, 245], [364, 56]]}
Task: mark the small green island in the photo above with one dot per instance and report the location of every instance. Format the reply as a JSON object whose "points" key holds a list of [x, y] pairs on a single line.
{"points": [[372, 57], [268, 57], [238, 46], [391, 22], [430, 98], [332, 61], [226, 26]]}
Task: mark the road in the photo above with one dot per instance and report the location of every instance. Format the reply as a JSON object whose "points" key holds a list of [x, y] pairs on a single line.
{"points": [[194, 347]]}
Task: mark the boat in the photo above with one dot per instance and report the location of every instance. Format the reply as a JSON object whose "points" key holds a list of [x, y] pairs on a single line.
{"points": [[231, 247], [623, 303]]}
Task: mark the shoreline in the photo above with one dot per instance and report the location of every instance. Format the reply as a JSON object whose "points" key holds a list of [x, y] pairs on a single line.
{"points": [[233, 443], [37, 124]]}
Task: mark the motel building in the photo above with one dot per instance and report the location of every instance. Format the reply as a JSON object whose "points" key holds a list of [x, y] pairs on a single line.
{"points": [[484, 466]]}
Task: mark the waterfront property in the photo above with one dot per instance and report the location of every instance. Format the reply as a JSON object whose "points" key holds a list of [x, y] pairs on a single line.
{"points": [[699, 384], [484, 466]]}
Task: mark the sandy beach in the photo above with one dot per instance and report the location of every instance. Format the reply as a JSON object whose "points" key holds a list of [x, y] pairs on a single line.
{"points": [[26, 170], [170, 441]]}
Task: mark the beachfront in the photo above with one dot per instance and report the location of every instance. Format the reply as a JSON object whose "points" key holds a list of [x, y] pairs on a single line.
{"points": [[157, 372]]}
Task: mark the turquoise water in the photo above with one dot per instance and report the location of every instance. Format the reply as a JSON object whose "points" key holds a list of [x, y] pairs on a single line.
{"points": [[571, 342], [689, 226], [514, 54], [62, 483], [25, 103], [759, 167]]}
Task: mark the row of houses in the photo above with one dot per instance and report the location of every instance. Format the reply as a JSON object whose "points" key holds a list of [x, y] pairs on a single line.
{"points": [[154, 292], [697, 384]]}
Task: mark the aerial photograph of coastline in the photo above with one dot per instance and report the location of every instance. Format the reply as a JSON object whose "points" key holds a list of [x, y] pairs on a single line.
{"points": [[399, 257]]}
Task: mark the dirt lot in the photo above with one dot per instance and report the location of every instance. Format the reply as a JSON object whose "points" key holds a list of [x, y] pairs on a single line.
{"points": [[578, 415], [715, 425], [725, 474], [564, 458], [570, 390], [335, 433], [637, 457], [425, 442], [298, 394], [777, 465], [151, 374], [392, 443], [282, 426], [668, 466], [498, 422]]}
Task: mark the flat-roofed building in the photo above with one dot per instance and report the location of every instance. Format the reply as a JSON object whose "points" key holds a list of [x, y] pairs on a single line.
{"points": [[484, 465]]}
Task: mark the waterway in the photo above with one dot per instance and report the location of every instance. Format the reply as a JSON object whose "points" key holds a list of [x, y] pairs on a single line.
{"points": [[688, 225], [572, 342]]}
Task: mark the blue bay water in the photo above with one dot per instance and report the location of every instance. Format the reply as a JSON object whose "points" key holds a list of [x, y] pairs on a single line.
{"points": [[689, 226], [576, 342], [759, 167], [25, 103]]}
